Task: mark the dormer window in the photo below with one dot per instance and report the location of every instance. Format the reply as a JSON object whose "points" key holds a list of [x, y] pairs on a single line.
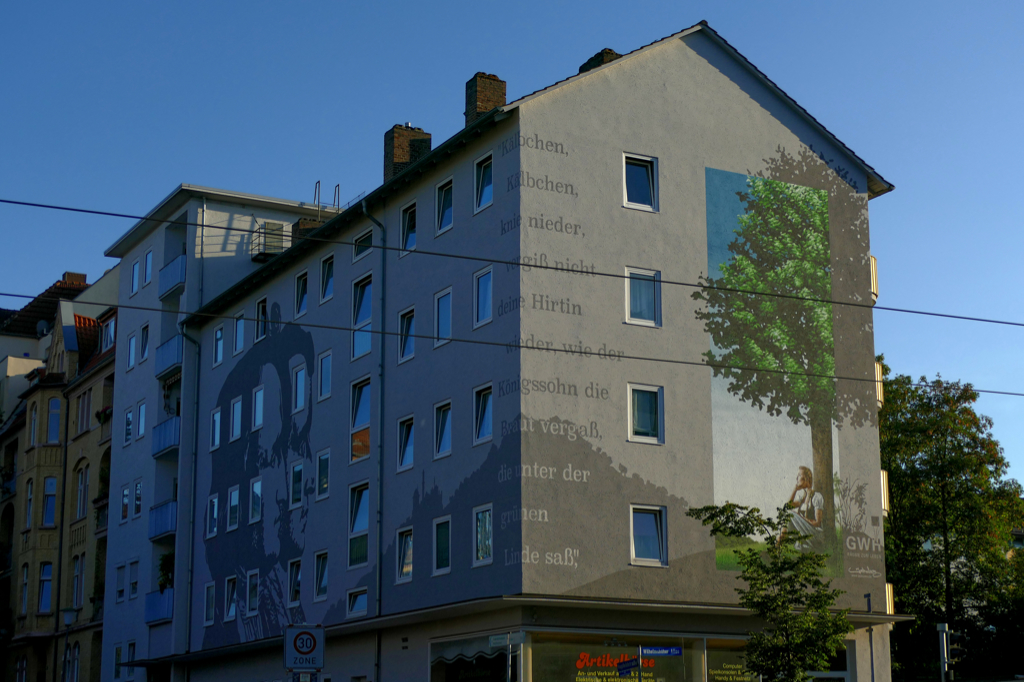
{"points": [[109, 333]]}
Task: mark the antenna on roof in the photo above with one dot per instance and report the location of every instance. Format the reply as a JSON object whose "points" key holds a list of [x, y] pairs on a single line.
{"points": [[337, 197], [316, 199]]}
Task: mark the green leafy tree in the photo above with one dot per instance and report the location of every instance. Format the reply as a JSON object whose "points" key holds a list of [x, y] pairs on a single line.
{"points": [[786, 589]]}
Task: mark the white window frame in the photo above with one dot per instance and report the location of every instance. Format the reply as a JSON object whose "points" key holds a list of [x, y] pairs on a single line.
{"points": [[256, 336], [131, 353], [349, 613], [109, 333], [450, 180], [435, 571], [228, 527], [334, 277], [238, 335], [399, 578], [252, 485], [133, 285], [316, 473], [320, 375], [656, 274], [147, 268], [355, 241], [434, 432], [366, 380], [296, 408], [438, 341], [653, 161], [212, 511], [143, 348], [660, 440], [489, 386], [402, 314], [129, 425], [358, 328], [662, 527], [249, 575], [234, 423], [228, 616], [263, 404], [477, 163], [209, 604], [218, 361], [295, 295], [292, 504], [289, 602], [477, 322], [140, 422], [409, 418], [403, 224], [489, 560], [120, 592], [316, 573], [351, 520], [215, 428]]}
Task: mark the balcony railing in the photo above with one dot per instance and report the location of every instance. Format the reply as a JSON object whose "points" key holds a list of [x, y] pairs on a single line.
{"points": [[172, 276], [168, 357], [9, 484], [159, 606], [267, 241], [163, 520], [167, 437]]}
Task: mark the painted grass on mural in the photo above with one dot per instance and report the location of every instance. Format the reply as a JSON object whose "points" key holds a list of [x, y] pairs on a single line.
{"points": [[726, 547]]}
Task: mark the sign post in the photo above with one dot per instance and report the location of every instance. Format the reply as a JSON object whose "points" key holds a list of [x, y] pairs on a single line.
{"points": [[507, 640], [304, 651]]}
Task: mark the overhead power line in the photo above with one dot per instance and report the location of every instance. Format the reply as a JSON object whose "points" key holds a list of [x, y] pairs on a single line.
{"points": [[519, 264]]}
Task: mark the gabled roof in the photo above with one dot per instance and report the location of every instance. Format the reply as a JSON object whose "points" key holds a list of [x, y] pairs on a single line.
{"points": [[87, 331], [43, 307]]}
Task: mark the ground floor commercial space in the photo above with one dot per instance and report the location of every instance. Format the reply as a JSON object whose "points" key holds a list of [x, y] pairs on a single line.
{"points": [[552, 642]]}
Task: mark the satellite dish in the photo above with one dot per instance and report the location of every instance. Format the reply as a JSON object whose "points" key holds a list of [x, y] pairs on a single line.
{"points": [[42, 328]]}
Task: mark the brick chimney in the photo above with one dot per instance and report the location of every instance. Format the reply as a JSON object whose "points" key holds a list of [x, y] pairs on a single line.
{"points": [[484, 91], [73, 278], [403, 146], [603, 57]]}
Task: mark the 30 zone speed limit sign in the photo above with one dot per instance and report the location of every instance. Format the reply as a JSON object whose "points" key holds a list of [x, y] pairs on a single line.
{"points": [[304, 648]]}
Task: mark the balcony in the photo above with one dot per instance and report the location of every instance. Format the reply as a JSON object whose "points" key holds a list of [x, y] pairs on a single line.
{"points": [[102, 505], [163, 520], [267, 241], [166, 437], [159, 606], [9, 485], [168, 357], [172, 277]]}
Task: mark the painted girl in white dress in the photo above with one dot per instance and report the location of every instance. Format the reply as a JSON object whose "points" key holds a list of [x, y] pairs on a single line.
{"points": [[809, 505]]}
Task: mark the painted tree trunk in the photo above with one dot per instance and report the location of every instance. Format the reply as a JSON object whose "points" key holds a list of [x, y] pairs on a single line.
{"points": [[821, 444]]}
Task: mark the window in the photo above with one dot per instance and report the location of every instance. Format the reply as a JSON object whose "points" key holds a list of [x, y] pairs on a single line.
{"points": [[643, 297], [409, 228], [144, 343], [210, 602], [406, 433], [128, 417], [255, 500], [444, 207], [53, 421], [82, 499], [230, 597], [28, 503], [484, 184], [239, 339], [442, 545], [647, 530], [33, 425], [404, 569], [407, 335], [24, 589], [442, 429], [236, 419], [76, 572], [295, 485], [125, 497], [257, 407], [130, 669], [360, 419], [120, 583], [640, 182], [218, 345], [294, 582], [357, 603], [135, 278], [72, 672], [323, 474], [21, 674], [109, 333], [49, 501], [301, 293], [85, 411], [482, 297], [141, 430], [211, 516], [646, 417], [252, 593], [320, 579], [133, 579], [117, 663], [482, 414], [80, 590], [45, 585], [137, 509], [442, 317], [358, 528], [362, 244], [362, 313], [147, 270], [324, 378], [261, 319], [215, 429], [482, 548], [326, 279], [232, 507], [298, 388]]}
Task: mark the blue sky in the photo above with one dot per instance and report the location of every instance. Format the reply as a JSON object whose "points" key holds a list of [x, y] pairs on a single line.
{"points": [[111, 105]]}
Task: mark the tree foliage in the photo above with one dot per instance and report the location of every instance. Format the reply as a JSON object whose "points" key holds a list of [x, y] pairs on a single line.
{"points": [[785, 589]]}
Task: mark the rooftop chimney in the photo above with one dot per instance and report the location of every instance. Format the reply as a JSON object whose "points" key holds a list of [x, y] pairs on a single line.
{"points": [[484, 91], [73, 278], [603, 57], [403, 146]]}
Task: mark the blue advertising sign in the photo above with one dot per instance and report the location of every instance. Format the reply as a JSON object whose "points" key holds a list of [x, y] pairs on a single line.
{"points": [[626, 667], [661, 651]]}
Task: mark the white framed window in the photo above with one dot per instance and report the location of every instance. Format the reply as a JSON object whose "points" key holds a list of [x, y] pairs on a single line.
{"points": [[362, 244], [144, 343], [133, 579], [301, 293], [647, 535], [239, 340], [320, 577], [140, 430], [215, 429], [261, 319], [323, 474], [646, 414], [257, 408], [360, 429], [444, 206], [125, 501], [252, 593], [442, 545], [482, 297], [442, 429], [294, 582], [218, 345], [230, 598], [356, 601], [323, 381], [209, 604], [483, 546], [236, 420], [147, 270], [643, 297], [406, 442], [295, 485], [640, 182], [232, 508], [255, 499], [482, 414], [326, 278], [298, 388], [358, 524], [212, 509], [403, 569], [117, 663], [483, 183], [135, 278], [128, 419], [130, 669], [442, 317], [77, 572], [406, 335], [131, 351], [119, 583], [362, 316], [408, 229], [109, 333]]}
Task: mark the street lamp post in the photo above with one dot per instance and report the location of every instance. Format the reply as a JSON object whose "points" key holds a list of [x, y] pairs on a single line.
{"points": [[70, 617]]}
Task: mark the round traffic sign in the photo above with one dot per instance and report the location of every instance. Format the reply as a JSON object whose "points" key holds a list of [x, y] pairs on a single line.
{"points": [[305, 642]]}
